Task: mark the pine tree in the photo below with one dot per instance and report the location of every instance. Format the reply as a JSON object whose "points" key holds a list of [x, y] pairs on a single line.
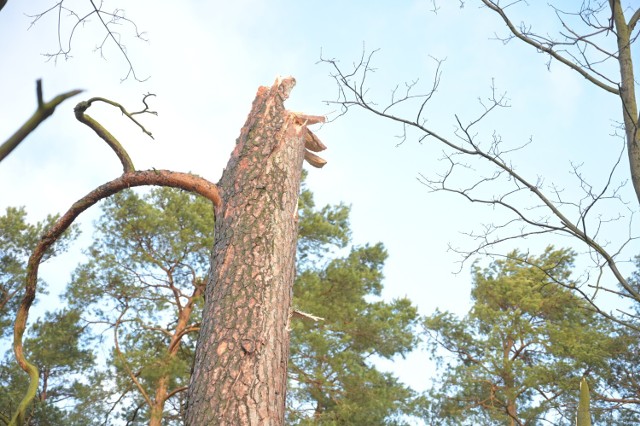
{"points": [[59, 346], [17, 240], [518, 356], [332, 377], [144, 284]]}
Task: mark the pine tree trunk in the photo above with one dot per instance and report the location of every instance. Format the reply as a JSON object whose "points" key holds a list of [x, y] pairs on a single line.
{"points": [[156, 413], [240, 369]]}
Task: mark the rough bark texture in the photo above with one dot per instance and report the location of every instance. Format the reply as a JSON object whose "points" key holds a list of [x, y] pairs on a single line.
{"points": [[240, 369]]}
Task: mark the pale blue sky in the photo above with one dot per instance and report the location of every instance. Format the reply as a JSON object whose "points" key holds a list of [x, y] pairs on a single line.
{"points": [[206, 61]]}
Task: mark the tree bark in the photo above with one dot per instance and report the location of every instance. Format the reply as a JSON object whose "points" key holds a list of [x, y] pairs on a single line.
{"points": [[627, 92], [240, 368]]}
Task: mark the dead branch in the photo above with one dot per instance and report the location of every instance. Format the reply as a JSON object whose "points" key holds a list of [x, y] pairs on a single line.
{"points": [[43, 111], [105, 135]]}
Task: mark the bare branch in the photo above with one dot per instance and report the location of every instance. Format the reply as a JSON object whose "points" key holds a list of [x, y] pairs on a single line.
{"points": [[108, 20], [185, 181], [634, 20], [534, 209], [547, 48], [574, 287], [603, 18], [110, 33], [44, 111], [105, 135]]}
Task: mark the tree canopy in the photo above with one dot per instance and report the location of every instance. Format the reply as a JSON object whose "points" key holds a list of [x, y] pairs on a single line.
{"points": [[518, 356], [333, 376], [139, 297], [535, 331], [18, 238]]}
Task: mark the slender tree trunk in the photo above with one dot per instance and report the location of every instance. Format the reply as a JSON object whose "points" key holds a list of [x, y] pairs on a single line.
{"points": [[240, 368], [45, 385], [627, 92], [157, 409], [162, 387], [509, 383]]}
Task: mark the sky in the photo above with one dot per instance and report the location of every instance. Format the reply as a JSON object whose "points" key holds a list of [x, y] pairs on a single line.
{"points": [[204, 62]]}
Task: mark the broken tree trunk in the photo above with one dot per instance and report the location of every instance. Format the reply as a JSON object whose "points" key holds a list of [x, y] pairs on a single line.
{"points": [[240, 369]]}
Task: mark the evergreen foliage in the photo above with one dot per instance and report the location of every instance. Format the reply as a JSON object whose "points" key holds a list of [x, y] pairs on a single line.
{"points": [[142, 286], [69, 389], [18, 238], [623, 387], [54, 351], [519, 354], [333, 380], [516, 358], [140, 293]]}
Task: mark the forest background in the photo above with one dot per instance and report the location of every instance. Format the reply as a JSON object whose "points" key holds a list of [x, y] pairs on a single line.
{"points": [[205, 72]]}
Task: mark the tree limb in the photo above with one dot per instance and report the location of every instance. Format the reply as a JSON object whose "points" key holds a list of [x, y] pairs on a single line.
{"points": [[185, 181], [555, 55], [105, 135], [44, 111], [634, 20], [537, 210], [125, 365]]}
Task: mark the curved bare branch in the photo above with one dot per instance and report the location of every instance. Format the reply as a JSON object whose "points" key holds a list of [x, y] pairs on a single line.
{"points": [[105, 135], [185, 181]]}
